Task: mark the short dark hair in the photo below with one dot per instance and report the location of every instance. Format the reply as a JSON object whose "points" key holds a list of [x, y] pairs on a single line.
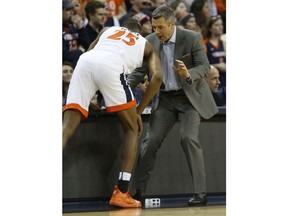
{"points": [[91, 7], [67, 63], [132, 24], [164, 11]]}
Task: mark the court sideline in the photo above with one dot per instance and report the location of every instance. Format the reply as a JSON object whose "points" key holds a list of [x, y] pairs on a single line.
{"points": [[180, 211], [216, 206]]}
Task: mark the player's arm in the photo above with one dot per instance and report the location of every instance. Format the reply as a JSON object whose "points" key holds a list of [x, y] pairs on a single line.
{"points": [[154, 65], [93, 44]]}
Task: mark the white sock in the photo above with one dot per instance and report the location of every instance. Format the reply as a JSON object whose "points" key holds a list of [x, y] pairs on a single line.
{"points": [[124, 176]]}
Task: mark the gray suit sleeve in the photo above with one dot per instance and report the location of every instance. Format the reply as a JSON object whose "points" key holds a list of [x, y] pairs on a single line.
{"points": [[137, 75], [202, 66]]}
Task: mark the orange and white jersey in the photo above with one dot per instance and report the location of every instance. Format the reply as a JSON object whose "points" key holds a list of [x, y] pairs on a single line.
{"points": [[118, 52], [124, 44]]}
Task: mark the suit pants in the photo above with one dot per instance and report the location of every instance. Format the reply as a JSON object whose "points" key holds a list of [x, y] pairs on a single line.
{"points": [[173, 106]]}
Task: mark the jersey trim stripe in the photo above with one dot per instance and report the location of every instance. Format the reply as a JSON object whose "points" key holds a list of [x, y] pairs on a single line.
{"points": [[121, 107], [126, 88], [77, 107]]}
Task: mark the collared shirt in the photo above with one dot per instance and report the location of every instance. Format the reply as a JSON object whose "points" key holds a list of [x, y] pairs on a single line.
{"points": [[170, 80]]}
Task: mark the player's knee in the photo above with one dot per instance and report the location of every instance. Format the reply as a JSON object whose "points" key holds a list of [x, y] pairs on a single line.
{"points": [[190, 141], [131, 127]]}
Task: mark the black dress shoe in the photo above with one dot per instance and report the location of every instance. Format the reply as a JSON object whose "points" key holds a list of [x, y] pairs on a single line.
{"points": [[198, 200]]}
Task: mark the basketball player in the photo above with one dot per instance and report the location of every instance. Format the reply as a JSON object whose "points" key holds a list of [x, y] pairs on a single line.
{"points": [[116, 52]]}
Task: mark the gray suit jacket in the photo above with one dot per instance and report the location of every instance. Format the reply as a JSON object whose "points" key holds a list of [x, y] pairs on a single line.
{"points": [[198, 92]]}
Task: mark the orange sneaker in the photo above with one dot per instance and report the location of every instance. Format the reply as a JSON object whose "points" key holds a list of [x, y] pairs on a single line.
{"points": [[123, 199]]}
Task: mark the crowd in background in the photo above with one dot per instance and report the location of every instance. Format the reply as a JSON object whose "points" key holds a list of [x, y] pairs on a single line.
{"points": [[82, 20]]}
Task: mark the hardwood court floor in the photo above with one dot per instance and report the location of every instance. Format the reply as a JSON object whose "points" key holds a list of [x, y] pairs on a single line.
{"points": [[183, 211]]}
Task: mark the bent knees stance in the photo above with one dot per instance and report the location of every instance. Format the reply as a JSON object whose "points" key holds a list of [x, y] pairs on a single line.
{"points": [[156, 132], [150, 145], [128, 119], [189, 130], [191, 142]]}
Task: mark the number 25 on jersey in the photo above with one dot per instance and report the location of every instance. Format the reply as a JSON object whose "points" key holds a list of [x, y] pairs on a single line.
{"points": [[129, 38]]}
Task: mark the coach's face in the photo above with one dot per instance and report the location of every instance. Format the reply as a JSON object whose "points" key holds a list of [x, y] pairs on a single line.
{"points": [[163, 28]]}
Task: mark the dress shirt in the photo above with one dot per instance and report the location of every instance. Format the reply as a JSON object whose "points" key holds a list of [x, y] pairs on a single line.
{"points": [[170, 80]]}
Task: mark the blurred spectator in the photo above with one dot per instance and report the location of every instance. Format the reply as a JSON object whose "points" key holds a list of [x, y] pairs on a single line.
{"points": [[189, 22], [212, 8], [137, 6], [188, 2], [95, 13], [75, 39], [221, 8], [145, 22], [215, 47], [200, 9], [223, 38], [116, 8], [211, 5], [158, 3], [79, 9], [128, 5], [213, 81], [110, 10], [180, 10], [67, 71]]}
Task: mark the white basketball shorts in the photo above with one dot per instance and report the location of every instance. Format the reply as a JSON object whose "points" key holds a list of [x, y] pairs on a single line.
{"points": [[99, 71]]}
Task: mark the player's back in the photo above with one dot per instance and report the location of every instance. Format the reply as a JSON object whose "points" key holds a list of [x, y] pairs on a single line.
{"points": [[122, 43]]}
